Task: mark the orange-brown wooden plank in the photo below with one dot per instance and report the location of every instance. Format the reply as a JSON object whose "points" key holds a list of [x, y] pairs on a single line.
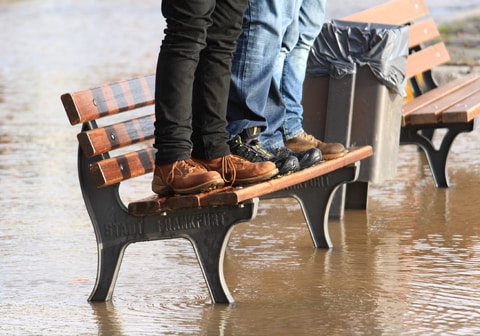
{"points": [[426, 59], [123, 167], [433, 95], [395, 12], [422, 32], [237, 195], [401, 12], [464, 111], [432, 113], [101, 140], [109, 99]]}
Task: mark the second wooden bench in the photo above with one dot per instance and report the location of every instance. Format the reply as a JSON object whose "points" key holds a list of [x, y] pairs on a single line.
{"points": [[428, 107]]}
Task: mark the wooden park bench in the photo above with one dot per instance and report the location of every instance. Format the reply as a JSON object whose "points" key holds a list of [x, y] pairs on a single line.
{"points": [[428, 107], [112, 151]]}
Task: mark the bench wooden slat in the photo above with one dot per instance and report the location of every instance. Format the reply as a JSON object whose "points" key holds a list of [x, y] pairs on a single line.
{"points": [[433, 95], [101, 140], [426, 59], [232, 195], [396, 12], [464, 111], [422, 32], [91, 104], [432, 113], [123, 167]]}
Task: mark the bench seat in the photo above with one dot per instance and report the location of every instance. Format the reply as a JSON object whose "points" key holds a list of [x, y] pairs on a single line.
{"points": [[455, 102]]}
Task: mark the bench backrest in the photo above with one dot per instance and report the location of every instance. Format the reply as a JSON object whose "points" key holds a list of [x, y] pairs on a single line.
{"points": [[426, 49], [93, 106]]}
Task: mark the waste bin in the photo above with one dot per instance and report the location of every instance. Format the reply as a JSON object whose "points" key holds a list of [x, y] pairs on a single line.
{"points": [[354, 90]]}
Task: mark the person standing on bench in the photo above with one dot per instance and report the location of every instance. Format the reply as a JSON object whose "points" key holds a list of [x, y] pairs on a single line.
{"points": [[191, 94], [265, 112]]}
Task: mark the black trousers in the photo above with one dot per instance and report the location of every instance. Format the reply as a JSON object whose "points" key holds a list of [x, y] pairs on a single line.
{"points": [[193, 78]]}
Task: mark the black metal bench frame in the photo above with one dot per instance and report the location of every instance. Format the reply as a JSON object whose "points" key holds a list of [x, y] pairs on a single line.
{"points": [[207, 228]]}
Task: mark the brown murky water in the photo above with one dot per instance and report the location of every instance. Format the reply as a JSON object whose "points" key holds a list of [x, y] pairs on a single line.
{"points": [[408, 265]]}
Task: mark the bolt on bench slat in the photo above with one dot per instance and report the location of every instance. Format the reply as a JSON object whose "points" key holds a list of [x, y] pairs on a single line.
{"points": [[101, 140]]}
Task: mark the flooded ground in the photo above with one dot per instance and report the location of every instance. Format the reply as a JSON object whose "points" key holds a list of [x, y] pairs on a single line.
{"points": [[407, 265]]}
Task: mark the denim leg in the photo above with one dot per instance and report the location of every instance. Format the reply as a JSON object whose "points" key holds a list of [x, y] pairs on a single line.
{"points": [[252, 84], [310, 20], [185, 37], [212, 81]]}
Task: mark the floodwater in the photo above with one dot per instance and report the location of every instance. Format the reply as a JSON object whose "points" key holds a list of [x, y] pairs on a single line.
{"points": [[407, 265]]}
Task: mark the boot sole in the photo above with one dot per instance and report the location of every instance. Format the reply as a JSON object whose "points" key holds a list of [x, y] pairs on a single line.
{"points": [[334, 155], [329, 156]]}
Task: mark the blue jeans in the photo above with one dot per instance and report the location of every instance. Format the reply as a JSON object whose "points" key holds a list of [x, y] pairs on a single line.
{"points": [[258, 89], [292, 63], [252, 84]]}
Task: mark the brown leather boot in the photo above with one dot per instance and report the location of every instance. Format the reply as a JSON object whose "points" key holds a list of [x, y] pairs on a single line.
{"points": [[306, 141], [184, 177], [236, 170]]}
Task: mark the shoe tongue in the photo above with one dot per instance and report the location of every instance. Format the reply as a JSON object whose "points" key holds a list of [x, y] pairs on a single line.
{"points": [[251, 133]]}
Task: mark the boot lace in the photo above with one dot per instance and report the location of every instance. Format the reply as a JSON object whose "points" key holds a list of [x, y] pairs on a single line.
{"points": [[183, 166], [229, 172]]}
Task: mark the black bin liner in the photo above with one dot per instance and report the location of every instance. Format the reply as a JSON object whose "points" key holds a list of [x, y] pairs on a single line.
{"points": [[343, 45]]}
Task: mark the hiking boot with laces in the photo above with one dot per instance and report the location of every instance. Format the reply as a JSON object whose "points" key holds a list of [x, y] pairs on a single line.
{"points": [[184, 177], [305, 141], [247, 146], [236, 170], [305, 158]]}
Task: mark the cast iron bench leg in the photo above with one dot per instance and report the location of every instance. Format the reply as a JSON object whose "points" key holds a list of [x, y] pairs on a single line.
{"points": [[437, 158], [208, 229], [109, 261], [108, 217], [315, 197], [210, 246]]}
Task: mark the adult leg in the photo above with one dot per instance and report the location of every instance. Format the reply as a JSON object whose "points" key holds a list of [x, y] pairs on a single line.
{"points": [[308, 24], [210, 98], [255, 103], [305, 29], [212, 81], [253, 63], [185, 38]]}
